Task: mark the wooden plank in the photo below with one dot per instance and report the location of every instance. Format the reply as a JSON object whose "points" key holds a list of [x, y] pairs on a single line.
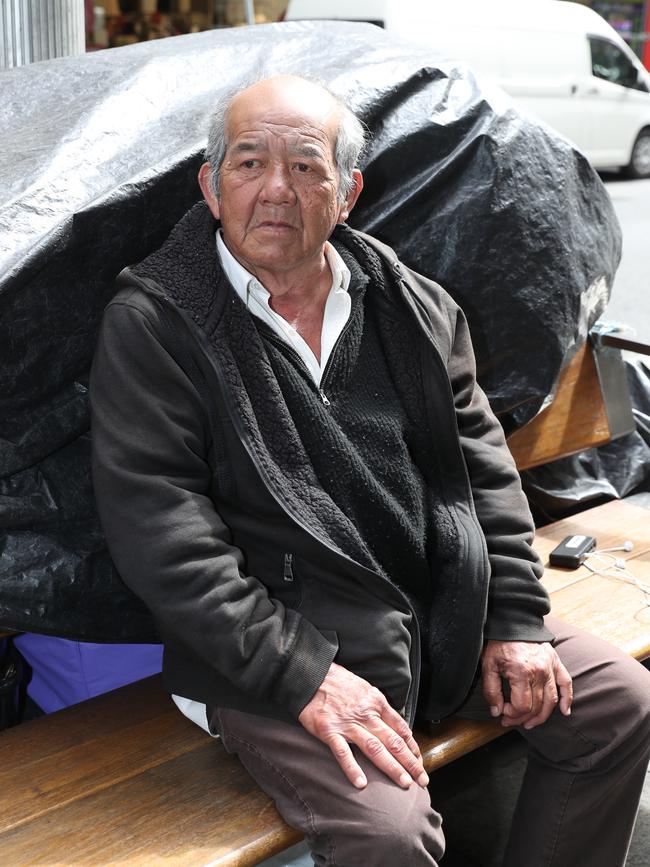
{"points": [[611, 524], [610, 609], [575, 420], [52, 761], [606, 606], [443, 742], [195, 809]]}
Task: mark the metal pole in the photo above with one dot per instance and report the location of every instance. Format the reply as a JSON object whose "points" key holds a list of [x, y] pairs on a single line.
{"points": [[32, 30], [250, 11]]}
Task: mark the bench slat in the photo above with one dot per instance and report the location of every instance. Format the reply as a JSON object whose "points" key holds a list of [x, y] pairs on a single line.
{"points": [[575, 420], [172, 813], [97, 745], [611, 524], [444, 742]]}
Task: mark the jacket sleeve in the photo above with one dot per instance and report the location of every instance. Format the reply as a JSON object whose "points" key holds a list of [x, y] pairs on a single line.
{"points": [[152, 483], [517, 601]]}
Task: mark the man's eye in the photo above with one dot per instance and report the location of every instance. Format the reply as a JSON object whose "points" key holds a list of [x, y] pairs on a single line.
{"points": [[302, 167], [250, 164]]}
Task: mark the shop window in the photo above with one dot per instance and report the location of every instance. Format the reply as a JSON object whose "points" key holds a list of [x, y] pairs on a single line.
{"points": [[111, 23]]}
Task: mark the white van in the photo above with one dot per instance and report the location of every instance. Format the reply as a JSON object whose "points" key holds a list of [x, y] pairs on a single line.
{"points": [[559, 60]]}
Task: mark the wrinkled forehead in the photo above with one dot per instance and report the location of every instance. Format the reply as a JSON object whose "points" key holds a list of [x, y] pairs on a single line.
{"points": [[302, 114]]}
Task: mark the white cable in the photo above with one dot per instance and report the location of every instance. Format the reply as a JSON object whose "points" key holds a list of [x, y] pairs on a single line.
{"points": [[626, 546], [622, 573]]}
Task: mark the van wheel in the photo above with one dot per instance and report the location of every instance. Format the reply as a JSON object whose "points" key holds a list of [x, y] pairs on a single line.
{"points": [[639, 165]]}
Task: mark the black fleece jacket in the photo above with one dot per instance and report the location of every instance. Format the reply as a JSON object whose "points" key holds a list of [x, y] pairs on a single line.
{"points": [[221, 527]]}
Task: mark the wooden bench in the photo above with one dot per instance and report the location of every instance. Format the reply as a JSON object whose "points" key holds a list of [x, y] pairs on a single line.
{"points": [[591, 407], [126, 778]]}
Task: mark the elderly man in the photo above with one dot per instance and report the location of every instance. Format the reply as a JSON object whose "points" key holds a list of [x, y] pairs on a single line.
{"points": [[297, 472]]}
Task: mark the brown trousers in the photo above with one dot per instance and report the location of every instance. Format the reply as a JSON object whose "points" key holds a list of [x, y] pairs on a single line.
{"points": [[579, 795]]}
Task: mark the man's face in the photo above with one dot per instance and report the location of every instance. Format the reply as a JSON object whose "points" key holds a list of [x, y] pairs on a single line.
{"points": [[279, 184]]}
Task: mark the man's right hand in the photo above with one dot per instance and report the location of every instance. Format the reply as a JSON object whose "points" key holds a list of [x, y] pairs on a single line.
{"points": [[346, 710]]}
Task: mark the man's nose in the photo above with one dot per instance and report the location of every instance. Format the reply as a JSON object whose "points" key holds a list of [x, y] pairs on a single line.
{"points": [[278, 187]]}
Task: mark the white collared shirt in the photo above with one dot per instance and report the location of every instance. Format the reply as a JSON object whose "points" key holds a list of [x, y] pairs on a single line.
{"points": [[256, 298]]}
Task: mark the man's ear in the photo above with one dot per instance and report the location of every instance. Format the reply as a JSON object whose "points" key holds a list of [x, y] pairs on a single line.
{"points": [[205, 182], [352, 196]]}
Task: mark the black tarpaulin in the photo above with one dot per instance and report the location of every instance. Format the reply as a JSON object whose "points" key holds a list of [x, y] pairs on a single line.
{"points": [[98, 161]]}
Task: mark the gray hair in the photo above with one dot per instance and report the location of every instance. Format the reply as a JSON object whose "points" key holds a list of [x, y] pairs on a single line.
{"points": [[349, 145]]}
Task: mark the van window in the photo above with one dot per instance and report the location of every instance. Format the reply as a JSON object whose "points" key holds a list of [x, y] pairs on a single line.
{"points": [[610, 63]]}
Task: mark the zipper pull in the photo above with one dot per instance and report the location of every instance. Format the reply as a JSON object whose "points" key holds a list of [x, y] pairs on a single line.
{"points": [[288, 567], [324, 397]]}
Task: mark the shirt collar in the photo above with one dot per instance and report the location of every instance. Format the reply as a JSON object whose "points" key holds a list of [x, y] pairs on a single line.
{"points": [[242, 280]]}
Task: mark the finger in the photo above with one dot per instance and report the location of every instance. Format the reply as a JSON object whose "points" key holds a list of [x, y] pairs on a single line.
{"points": [[493, 691], [548, 705], [512, 722], [522, 699], [413, 745], [375, 750], [344, 756], [400, 750], [396, 722], [565, 687], [542, 691]]}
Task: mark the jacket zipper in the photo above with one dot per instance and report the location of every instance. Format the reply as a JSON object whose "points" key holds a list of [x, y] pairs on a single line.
{"points": [[408, 297], [201, 340]]}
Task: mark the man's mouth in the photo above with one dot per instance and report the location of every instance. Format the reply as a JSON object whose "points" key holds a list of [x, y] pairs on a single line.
{"points": [[274, 224]]}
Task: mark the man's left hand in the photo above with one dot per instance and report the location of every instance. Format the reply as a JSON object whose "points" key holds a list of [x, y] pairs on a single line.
{"points": [[538, 681]]}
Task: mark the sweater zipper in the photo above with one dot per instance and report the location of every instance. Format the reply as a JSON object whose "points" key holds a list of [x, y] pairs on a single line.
{"points": [[337, 343], [200, 338], [274, 338], [409, 298]]}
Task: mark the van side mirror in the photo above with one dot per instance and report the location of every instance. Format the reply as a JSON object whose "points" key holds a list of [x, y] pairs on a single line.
{"points": [[633, 78], [641, 82]]}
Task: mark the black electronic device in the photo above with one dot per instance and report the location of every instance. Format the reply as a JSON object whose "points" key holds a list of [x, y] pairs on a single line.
{"points": [[571, 551]]}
